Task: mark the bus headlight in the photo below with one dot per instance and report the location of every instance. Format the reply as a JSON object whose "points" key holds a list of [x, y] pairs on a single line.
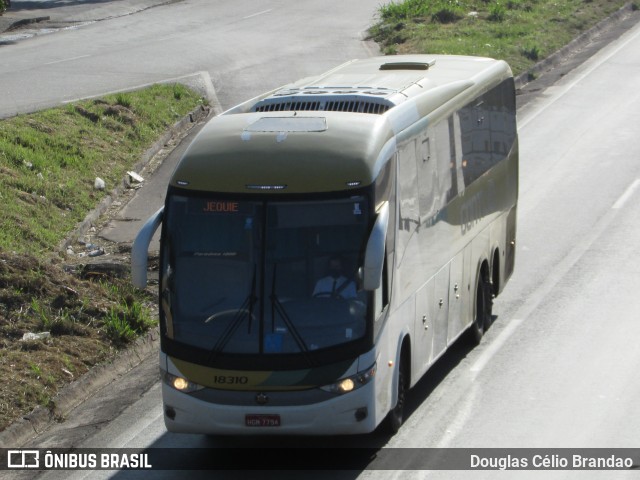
{"points": [[181, 384], [348, 384]]}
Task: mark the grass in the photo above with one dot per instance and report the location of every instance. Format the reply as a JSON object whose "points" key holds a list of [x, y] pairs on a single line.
{"points": [[518, 31], [49, 160], [48, 164]]}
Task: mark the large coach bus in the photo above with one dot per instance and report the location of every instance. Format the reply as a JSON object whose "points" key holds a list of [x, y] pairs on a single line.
{"points": [[323, 244]]}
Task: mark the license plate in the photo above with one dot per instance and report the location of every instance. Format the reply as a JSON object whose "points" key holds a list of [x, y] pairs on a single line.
{"points": [[257, 420]]}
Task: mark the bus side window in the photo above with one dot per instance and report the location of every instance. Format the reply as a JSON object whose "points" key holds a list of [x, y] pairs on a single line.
{"points": [[443, 163], [457, 179], [408, 214], [427, 179], [488, 130]]}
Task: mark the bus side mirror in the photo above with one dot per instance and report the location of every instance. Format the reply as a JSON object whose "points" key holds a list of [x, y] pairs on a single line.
{"points": [[140, 249], [374, 254]]}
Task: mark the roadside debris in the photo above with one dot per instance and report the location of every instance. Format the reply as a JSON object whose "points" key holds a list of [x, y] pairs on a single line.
{"points": [[30, 336], [135, 178], [93, 250], [90, 250]]}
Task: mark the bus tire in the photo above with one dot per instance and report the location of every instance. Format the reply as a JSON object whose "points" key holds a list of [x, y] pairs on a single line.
{"points": [[394, 419], [483, 308]]}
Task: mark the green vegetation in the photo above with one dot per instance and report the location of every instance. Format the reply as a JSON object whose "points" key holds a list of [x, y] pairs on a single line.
{"points": [[48, 164], [518, 31], [49, 160], [128, 319]]}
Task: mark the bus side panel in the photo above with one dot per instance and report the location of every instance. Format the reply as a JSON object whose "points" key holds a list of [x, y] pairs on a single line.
{"points": [[480, 248], [510, 246], [423, 328], [511, 228], [440, 312], [459, 295], [496, 251]]}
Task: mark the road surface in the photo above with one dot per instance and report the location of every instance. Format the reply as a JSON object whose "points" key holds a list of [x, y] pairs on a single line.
{"points": [[239, 47]]}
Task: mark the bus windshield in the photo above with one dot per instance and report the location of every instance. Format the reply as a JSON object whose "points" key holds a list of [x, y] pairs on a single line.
{"points": [[263, 277]]}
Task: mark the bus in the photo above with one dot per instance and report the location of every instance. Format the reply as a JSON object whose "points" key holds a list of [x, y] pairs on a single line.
{"points": [[397, 176]]}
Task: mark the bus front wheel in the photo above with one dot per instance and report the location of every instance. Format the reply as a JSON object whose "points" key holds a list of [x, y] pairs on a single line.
{"points": [[395, 417]]}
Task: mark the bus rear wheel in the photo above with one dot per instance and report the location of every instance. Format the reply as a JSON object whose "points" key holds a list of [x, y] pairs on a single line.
{"points": [[483, 308]]}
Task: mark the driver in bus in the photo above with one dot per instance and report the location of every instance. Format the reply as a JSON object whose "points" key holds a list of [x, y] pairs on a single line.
{"points": [[335, 284]]}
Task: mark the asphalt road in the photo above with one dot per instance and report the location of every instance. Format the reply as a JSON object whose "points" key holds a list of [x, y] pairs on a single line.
{"points": [[241, 48], [559, 366]]}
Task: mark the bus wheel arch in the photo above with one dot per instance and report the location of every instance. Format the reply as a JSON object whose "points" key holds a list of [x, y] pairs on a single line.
{"points": [[402, 378]]}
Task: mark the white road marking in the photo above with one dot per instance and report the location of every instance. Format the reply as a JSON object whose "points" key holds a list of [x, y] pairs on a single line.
{"points": [[628, 193], [67, 59], [256, 14], [496, 345]]}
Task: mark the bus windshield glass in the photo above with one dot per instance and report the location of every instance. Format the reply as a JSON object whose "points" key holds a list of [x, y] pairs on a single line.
{"points": [[263, 277]]}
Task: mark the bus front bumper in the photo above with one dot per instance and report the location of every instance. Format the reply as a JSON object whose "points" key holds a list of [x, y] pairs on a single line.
{"points": [[349, 413]]}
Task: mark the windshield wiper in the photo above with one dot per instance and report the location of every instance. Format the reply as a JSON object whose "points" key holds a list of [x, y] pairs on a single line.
{"points": [[276, 306], [246, 309]]}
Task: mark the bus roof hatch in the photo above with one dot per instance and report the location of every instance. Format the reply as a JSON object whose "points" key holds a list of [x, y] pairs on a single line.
{"points": [[407, 65]]}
